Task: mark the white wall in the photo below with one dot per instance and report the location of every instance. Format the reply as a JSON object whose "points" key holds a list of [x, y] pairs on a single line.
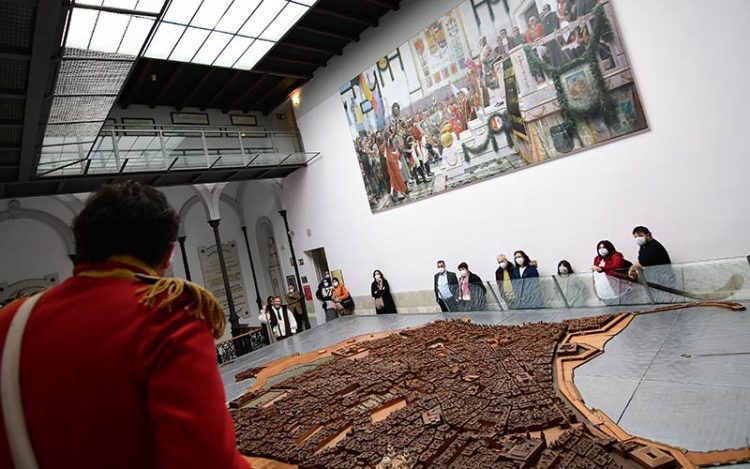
{"points": [[686, 179], [31, 249]]}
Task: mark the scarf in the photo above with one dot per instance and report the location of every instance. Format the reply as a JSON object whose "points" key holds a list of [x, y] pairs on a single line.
{"points": [[463, 284], [507, 284]]}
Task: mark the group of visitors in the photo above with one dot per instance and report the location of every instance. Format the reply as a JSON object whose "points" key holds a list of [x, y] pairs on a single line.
{"points": [[518, 280], [335, 297]]}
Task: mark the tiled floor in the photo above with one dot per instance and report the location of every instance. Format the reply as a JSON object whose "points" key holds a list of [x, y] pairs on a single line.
{"points": [[680, 377]]}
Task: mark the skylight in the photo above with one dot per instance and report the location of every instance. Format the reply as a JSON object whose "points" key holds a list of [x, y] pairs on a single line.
{"points": [[223, 33], [102, 40]]}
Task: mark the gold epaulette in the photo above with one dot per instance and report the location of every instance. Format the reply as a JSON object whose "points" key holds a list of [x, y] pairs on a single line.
{"points": [[163, 292]]}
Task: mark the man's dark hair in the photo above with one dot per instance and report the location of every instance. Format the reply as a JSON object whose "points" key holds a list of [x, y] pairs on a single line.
{"points": [[127, 218], [641, 229], [441, 261]]}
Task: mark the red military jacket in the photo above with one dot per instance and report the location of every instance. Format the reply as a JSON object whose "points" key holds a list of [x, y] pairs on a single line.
{"points": [[110, 382]]}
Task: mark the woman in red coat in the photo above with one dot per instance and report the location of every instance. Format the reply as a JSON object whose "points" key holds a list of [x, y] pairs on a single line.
{"points": [[614, 265]]}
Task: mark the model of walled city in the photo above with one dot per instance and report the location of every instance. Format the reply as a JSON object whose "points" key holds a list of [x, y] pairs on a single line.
{"points": [[449, 394]]}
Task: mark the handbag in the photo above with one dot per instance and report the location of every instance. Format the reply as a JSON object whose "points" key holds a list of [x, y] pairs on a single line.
{"points": [[348, 303], [379, 303]]}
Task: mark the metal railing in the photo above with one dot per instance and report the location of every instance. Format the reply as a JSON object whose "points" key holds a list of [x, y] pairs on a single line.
{"points": [[230, 349], [122, 149]]}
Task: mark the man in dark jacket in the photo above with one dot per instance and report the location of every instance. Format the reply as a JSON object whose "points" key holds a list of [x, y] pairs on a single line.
{"points": [[651, 251], [446, 285]]}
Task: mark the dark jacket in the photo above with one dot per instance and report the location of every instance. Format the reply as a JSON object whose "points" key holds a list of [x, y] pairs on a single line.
{"points": [[653, 253], [389, 306], [527, 290], [452, 283], [528, 272], [500, 270]]}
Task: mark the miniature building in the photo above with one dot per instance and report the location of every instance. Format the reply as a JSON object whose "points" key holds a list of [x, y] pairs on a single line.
{"points": [[468, 402]]}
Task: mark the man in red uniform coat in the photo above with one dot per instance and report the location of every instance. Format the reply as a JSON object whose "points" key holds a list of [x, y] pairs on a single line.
{"points": [[118, 365]]}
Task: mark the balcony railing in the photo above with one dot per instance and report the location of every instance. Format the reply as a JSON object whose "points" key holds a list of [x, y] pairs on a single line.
{"points": [[123, 149]]}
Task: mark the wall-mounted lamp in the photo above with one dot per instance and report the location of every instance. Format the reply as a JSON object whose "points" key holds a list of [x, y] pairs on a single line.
{"points": [[295, 99]]}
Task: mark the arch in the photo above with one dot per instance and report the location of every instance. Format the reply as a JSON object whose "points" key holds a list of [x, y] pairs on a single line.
{"points": [[16, 212], [71, 202], [274, 191], [189, 203]]}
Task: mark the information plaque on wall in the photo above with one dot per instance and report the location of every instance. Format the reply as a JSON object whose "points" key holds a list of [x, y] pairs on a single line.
{"points": [[214, 281]]}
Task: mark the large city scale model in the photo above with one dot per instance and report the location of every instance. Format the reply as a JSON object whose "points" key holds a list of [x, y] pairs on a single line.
{"points": [[448, 394]]}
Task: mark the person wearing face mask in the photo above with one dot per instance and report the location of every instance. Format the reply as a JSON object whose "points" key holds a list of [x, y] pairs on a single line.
{"points": [[282, 323], [294, 303], [326, 276], [526, 282], [472, 294], [325, 294], [381, 292], [446, 284], [264, 318], [610, 268], [504, 278], [650, 251], [570, 285], [342, 298], [654, 259]]}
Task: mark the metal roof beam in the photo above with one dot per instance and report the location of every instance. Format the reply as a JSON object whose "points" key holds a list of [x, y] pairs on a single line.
{"points": [[222, 90], [46, 43], [245, 95], [167, 86], [196, 88], [332, 34], [343, 16]]}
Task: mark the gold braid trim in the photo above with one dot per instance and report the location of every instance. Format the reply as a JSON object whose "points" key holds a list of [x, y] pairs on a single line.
{"points": [[202, 305]]}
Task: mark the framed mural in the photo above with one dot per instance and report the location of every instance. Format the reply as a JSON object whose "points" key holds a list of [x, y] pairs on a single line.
{"points": [[488, 88]]}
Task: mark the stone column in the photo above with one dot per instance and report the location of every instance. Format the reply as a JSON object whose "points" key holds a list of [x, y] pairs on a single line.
{"points": [[234, 320], [185, 264], [303, 300]]}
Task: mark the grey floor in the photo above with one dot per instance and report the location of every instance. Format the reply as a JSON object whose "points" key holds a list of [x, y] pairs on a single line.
{"points": [[681, 377]]}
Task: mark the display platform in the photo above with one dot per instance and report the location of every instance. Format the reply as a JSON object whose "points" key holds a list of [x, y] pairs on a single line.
{"points": [[451, 394]]}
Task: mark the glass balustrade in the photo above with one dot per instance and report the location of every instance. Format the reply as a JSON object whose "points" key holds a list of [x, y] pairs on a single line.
{"points": [[709, 280], [138, 149]]}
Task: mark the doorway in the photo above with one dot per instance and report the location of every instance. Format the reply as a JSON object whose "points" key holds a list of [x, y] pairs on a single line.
{"points": [[320, 263]]}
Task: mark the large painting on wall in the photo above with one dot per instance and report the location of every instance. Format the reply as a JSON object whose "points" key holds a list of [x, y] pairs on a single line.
{"points": [[490, 87]]}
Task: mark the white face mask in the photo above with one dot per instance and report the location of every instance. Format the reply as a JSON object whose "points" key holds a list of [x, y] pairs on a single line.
{"points": [[441, 270], [463, 273], [563, 271], [503, 264], [603, 252], [520, 260], [378, 277], [640, 240], [335, 284]]}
